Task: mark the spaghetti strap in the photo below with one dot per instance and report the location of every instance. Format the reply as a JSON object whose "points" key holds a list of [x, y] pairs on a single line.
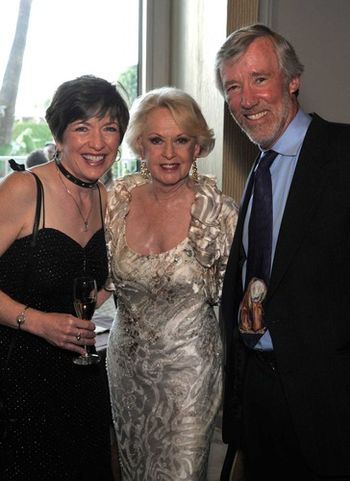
{"points": [[101, 211], [40, 206]]}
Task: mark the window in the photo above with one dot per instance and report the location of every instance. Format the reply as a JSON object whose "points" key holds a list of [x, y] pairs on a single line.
{"points": [[64, 39]]}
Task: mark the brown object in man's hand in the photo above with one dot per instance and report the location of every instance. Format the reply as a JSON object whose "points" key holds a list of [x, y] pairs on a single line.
{"points": [[251, 309]]}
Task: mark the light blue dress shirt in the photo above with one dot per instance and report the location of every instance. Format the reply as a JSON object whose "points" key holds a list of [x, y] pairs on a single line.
{"points": [[282, 170]]}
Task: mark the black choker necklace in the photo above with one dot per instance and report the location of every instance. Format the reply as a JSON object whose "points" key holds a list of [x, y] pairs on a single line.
{"points": [[75, 180]]}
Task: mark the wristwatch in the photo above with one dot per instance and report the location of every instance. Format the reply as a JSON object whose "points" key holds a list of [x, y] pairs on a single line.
{"points": [[21, 318]]}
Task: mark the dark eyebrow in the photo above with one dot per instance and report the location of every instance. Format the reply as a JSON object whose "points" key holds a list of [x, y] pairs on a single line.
{"points": [[229, 82], [261, 74]]}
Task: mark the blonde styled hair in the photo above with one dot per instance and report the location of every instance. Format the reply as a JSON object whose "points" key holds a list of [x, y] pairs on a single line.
{"points": [[185, 111]]}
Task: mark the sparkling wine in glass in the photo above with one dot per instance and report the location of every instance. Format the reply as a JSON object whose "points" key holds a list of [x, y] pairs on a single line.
{"points": [[85, 296]]}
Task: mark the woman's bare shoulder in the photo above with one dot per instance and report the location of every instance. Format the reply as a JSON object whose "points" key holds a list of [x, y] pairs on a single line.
{"points": [[18, 188], [17, 205]]}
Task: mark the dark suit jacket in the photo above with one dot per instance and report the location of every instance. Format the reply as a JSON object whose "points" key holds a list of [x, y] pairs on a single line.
{"points": [[307, 308]]}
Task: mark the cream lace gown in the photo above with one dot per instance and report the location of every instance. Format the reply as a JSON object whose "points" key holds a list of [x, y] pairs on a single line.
{"points": [[164, 357]]}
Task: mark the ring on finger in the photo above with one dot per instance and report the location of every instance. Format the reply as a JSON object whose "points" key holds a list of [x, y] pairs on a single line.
{"points": [[78, 336]]}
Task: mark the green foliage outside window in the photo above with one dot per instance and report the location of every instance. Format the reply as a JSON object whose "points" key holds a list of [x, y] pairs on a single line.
{"points": [[128, 80], [29, 135]]}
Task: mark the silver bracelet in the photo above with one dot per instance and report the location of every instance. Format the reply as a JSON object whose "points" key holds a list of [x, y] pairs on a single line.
{"points": [[21, 318]]}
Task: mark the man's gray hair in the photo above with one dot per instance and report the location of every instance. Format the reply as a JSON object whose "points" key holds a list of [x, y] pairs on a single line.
{"points": [[238, 42]]}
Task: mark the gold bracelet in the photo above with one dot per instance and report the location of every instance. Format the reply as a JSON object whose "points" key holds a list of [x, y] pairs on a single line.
{"points": [[21, 318]]}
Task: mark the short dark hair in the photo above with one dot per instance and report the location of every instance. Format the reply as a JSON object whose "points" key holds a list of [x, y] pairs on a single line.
{"points": [[85, 97]]}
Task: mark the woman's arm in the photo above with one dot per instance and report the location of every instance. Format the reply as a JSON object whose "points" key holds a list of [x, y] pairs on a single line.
{"points": [[58, 329], [17, 210], [102, 296]]}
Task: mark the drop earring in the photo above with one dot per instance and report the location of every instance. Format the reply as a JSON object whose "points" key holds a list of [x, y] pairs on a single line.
{"points": [[118, 156], [144, 170], [194, 171], [57, 156]]}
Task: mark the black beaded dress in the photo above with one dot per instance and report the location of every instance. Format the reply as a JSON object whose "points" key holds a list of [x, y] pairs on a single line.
{"points": [[55, 415]]}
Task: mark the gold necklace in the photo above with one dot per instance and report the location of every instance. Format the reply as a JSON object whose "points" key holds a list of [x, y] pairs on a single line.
{"points": [[84, 219]]}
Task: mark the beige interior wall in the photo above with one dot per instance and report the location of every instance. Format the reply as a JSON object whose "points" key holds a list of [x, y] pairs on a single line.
{"points": [[238, 153], [198, 30], [319, 31]]}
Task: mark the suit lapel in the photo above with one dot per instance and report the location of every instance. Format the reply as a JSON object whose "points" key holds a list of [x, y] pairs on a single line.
{"points": [[236, 251], [232, 286], [306, 187]]}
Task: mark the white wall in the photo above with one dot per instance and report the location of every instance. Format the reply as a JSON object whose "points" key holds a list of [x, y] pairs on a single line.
{"points": [[319, 30]]}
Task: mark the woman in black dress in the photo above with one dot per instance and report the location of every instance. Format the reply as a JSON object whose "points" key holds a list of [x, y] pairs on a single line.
{"points": [[54, 415]]}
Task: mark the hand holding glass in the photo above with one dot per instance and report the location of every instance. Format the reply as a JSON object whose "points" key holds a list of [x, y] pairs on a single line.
{"points": [[85, 296]]}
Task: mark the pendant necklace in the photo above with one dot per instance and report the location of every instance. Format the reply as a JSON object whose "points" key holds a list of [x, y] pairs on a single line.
{"points": [[84, 219]]}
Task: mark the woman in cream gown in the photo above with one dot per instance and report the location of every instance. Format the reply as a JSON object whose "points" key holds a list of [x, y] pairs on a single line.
{"points": [[169, 239]]}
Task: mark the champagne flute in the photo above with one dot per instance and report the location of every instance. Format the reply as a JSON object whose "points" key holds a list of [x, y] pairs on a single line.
{"points": [[85, 296]]}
